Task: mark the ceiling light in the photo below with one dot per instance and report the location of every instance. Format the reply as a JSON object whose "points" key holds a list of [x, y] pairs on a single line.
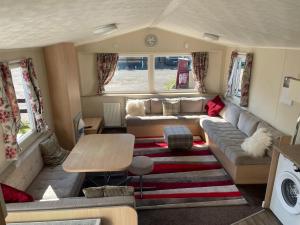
{"points": [[106, 29], [210, 36]]}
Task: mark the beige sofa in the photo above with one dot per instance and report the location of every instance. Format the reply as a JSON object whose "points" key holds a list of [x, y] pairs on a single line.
{"points": [[52, 188], [151, 125], [224, 134]]}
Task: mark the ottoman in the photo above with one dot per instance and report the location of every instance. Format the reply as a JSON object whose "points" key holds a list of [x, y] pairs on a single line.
{"points": [[178, 137]]}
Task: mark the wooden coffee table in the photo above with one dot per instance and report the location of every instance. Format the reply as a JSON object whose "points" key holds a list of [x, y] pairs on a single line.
{"points": [[101, 153]]}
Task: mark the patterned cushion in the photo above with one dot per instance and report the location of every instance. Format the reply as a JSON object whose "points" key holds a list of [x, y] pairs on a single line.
{"points": [[171, 107], [108, 191], [52, 153], [156, 106], [178, 137], [191, 105]]}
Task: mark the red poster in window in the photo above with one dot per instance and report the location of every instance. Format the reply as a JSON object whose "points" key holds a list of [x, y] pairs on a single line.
{"points": [[182, 79]]}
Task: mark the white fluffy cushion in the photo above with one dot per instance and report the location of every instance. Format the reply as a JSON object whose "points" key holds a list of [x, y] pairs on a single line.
{"points": [[258, 143], [135, 108]]}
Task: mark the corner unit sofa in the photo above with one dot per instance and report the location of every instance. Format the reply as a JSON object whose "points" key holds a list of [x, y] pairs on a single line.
{"points": [[51, 188], [223, 134]]}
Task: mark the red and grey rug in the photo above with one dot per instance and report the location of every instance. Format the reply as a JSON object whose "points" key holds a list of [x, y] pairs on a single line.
{"points": [[191, 178]]}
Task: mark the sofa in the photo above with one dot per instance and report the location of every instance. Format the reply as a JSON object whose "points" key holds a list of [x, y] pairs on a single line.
{"points": [[153, 123], [224, 134], [51, 188]]}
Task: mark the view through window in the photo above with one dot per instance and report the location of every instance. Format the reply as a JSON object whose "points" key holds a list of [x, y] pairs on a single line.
{"points": [[131, 75], [27, 124], [173, 73]]}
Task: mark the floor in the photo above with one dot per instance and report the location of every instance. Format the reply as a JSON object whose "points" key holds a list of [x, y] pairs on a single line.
{"points": [[204, 215]]}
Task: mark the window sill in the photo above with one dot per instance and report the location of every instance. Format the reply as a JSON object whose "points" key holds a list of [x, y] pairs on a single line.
{"points": [[150, 94]]}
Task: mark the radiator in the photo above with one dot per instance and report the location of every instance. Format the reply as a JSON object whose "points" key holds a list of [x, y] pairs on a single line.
{"points": [[112, 114]]}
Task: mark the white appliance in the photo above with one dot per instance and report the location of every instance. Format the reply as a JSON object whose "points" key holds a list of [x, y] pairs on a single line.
{"points": [[285, 201]]}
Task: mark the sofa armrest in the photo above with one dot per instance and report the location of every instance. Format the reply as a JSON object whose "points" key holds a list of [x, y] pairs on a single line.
{"points": [[71, 203]]}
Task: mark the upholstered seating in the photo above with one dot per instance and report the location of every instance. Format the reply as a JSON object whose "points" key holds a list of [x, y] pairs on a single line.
{"points": [[225, 135], [52, 183]]}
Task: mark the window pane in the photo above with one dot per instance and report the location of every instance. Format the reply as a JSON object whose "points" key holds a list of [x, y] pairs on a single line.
{"points": [[131, 75], [173, 73], [23, 103]]}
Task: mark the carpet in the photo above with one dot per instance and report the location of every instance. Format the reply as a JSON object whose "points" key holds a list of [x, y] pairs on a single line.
{"points": [[193, 178]]}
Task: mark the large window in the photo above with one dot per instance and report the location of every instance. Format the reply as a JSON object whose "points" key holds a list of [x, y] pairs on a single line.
{"points": [[131, 75], [173, 73], [27, 124], [237, 74]]}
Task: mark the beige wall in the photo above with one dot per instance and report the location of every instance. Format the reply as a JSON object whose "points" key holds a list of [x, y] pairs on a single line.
{"points": [[38, 60], [269, 68], [133, 43]]}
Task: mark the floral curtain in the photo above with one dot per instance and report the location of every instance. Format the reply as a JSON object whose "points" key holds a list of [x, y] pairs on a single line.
{"points": [[9, 113], [34, 92], [231, 74], [200, 66], [106, 66], [245, 85]]}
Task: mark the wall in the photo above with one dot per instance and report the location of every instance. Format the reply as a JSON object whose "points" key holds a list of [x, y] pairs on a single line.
{"points": [[269, 68], [133, 43], [38, 60]]}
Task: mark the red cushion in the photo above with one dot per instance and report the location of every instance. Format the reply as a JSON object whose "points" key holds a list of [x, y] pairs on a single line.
{"points": [[214, 106], [12, 195]]}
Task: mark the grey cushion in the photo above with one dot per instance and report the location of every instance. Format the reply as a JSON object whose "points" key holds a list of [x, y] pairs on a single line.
{"points": [[52, 153], [160, 119], [108, 191], [191, 105], [72, 203], [231, 113], [156, 106], [247, 123], [178, 137], [171, 107], [240, 157], [52, 183]]}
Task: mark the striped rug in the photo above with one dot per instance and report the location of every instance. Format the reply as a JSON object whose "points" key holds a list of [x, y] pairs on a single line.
{"points": [[191, 178]]}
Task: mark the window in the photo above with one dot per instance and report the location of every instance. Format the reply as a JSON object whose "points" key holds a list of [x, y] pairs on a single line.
{"points": [[237, 74], [27, 124], [131, 75], [173, 73]]}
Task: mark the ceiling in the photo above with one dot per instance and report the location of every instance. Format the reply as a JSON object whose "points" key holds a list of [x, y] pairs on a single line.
{"points": [[263, 23]]}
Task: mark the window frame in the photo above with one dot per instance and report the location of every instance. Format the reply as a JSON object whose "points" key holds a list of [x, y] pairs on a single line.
{"points": [[31, 135], [189, 90], [151, 75], [132, 92]]}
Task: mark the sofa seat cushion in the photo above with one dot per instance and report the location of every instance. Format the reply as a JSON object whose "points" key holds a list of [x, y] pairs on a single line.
{"points": [[240, 157], [159, 119], [53, 183], [72, 203]]}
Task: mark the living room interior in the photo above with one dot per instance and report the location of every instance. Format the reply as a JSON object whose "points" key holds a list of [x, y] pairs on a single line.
{"points": [[150, 112]]}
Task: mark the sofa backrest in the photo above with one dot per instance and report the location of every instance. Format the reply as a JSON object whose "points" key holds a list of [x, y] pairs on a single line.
{"points": [[21, 173], [248, 123], [188, 105]]}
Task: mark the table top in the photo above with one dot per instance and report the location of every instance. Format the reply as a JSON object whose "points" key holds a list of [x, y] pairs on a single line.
{"points": [[292, 152], [92, 124], [63, 222], [101, 153]]}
